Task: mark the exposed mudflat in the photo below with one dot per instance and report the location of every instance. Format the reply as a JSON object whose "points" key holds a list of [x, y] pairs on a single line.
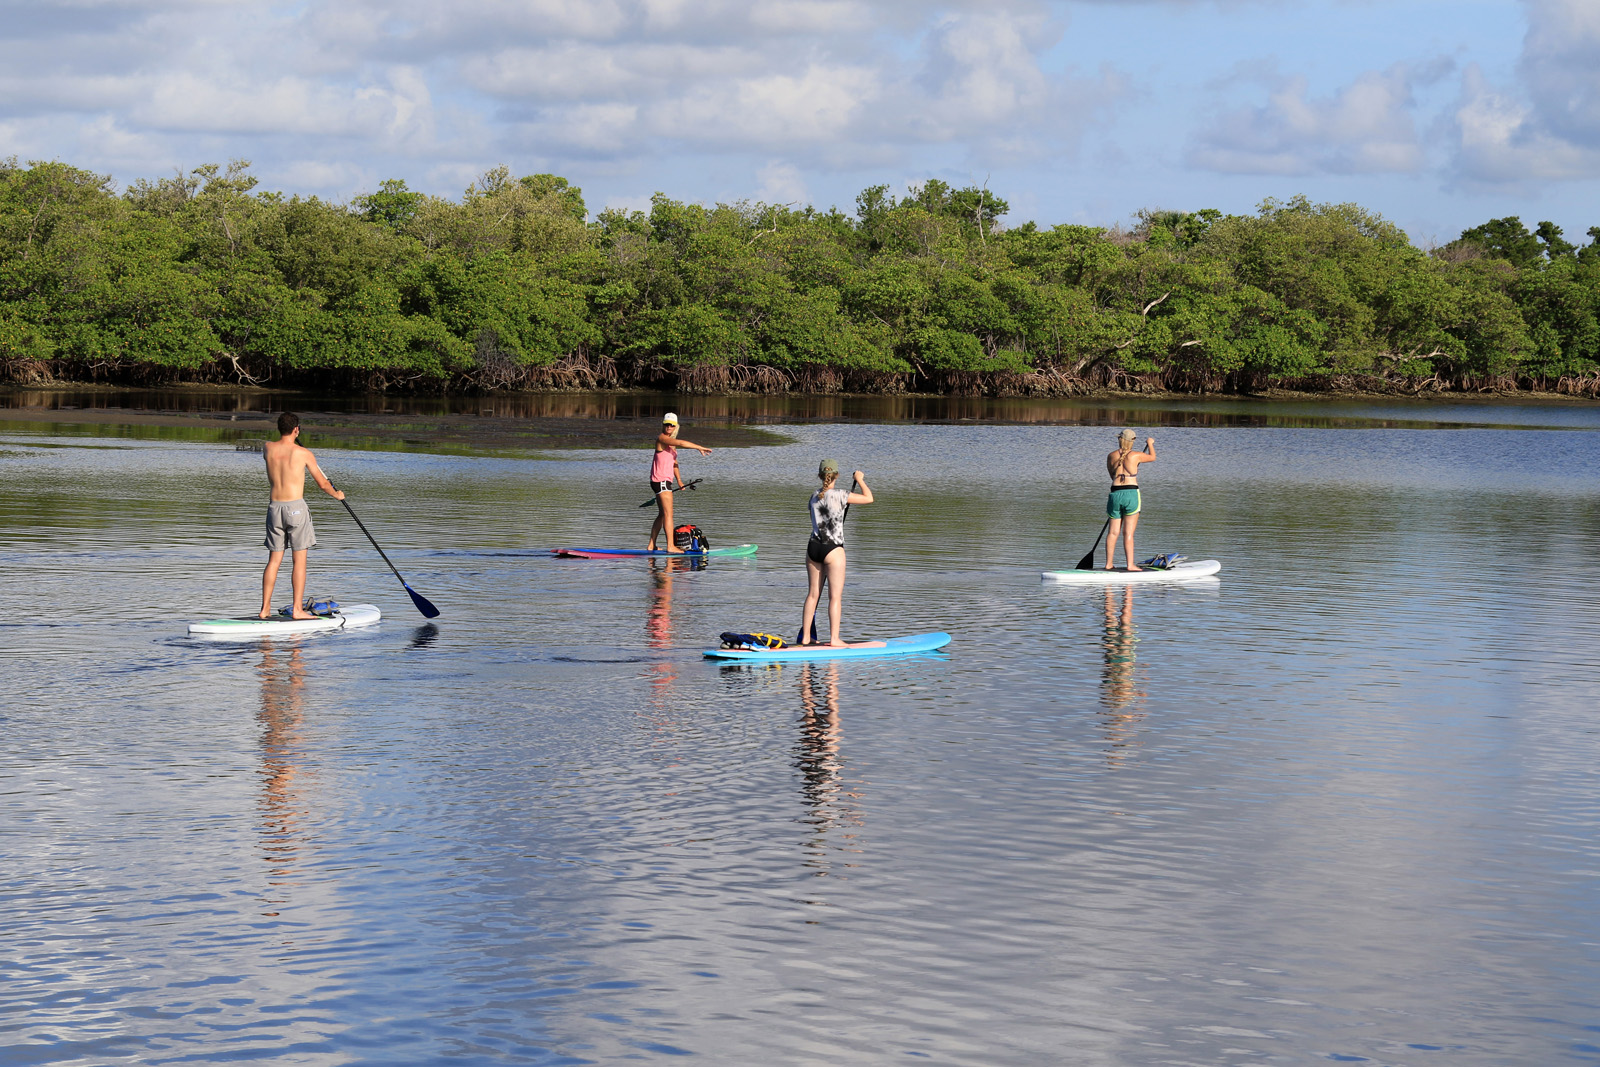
{"points": [[450, 433]]}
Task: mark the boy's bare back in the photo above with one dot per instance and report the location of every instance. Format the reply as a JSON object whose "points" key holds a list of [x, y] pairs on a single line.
{"points": [[287, 463]]}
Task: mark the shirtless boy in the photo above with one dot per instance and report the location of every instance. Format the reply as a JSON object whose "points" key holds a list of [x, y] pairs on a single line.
{"points": [[1122, 506], [288, 517]]}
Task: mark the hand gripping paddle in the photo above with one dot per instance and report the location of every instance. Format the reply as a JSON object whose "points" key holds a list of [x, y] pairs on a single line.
{"points": [[423, 604]]}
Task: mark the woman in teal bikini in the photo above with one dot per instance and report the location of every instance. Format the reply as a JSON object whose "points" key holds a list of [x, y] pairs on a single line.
{"points": [[1123, 503]]}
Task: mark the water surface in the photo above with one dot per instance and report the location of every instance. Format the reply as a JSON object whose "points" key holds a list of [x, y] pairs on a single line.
{"points": [[1337, 805]]}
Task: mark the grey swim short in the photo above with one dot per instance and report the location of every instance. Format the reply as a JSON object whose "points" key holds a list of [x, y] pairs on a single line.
{"points": [[289, 526]]}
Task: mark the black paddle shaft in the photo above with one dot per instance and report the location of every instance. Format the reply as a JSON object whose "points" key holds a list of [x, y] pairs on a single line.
{"points": [[1087, 562], [685, 485], [423, 604]]}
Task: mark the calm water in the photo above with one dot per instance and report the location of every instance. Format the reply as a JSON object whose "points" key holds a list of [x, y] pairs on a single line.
{"points": [[1338, 805]]}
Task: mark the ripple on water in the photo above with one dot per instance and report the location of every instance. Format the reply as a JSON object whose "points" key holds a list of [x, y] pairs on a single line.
{"points": [[1335, 804]]}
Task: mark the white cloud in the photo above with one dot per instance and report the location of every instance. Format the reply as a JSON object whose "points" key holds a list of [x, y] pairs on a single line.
{"points": [[981, 69], [1504, 139], [598, 83], [781, 183], [1548, 126], [583, 71], [1369, 126], [805, 108], [606, 130], [1561, 66]]}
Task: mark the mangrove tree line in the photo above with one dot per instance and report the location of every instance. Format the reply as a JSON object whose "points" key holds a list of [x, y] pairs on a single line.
{"points": [[205, 277]]}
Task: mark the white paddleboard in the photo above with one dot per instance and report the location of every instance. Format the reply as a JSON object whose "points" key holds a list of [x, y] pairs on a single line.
{"points": [[1184, 572], [346, 618]]}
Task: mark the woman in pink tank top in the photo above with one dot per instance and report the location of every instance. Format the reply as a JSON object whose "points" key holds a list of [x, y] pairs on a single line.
{"points": [[663, 474]]}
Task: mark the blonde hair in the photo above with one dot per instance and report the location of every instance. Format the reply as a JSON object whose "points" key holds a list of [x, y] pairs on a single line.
{"points": [[1116, 464]]}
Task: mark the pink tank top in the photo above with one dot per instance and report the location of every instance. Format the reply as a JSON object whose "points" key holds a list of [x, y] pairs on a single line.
{"points": [[661, 467]]}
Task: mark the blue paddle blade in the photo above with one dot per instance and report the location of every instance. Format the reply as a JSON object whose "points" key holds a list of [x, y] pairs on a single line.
{"points": [[423, 604]]}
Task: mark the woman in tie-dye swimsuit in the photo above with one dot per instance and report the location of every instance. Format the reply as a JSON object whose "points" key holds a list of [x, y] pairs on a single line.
{"points": [[825, 550]]}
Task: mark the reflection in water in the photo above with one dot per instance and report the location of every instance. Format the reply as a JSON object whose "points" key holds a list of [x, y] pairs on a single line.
{"points": [[424, 636], [283, 679], [764, 408], [662, 673], [658, 623], [1120, 678], [830, 804]]}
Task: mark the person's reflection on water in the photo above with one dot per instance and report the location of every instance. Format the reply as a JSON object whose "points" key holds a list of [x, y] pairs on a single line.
{"points": [[283, 679], [1120, 695], [658, 622], [831, 805]]}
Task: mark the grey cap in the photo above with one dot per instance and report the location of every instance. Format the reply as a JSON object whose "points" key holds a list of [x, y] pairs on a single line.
{"points": [[828, 466], [1126, 435]]}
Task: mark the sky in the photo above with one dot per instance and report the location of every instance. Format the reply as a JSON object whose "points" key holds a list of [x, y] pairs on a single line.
{"points": [[1438, 114]]}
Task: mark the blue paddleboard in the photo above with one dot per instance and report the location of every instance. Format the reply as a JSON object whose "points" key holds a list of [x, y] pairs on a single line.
{"points": [[895, 646]]}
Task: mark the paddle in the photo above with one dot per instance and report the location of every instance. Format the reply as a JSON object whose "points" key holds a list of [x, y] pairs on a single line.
{"points": [[1087, 562], [423, 604], [685, 485]]}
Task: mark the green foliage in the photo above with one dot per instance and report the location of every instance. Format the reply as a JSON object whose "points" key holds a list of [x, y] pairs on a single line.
{"points": [[203, 273], [393, 205], [499, 304], [1506, 239]]}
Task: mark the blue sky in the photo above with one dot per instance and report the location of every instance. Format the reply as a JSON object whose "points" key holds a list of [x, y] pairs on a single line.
{"points": [[1437, 114]]}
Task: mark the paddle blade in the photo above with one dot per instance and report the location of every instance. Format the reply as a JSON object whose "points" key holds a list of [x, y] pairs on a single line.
{"points": [[1087, 562], [423, 604]]}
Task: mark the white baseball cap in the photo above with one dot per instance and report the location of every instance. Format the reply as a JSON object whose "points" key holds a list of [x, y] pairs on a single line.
{"points": [[669, 417]]}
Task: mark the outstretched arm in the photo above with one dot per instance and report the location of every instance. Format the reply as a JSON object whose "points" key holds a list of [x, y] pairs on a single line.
{"points": [[669, 441], [863, 497], [1149, 450], [322, 479]]}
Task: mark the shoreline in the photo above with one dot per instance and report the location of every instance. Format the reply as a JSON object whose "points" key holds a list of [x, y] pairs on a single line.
{"points": [[1107, 393], [529, 424], [1272, 394]]}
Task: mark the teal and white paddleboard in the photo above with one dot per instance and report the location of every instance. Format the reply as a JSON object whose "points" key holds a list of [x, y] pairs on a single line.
{"points": [[895, 646], [348, 617], [622, 553], [1183, 572]]}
